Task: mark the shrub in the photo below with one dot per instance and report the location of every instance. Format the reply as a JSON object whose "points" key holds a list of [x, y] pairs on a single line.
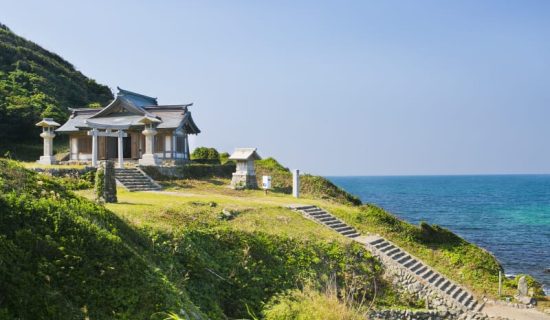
{"points": [[436, 234], [224, 157], [64, 257], [205, 155], [309, 304], [233, 272]]}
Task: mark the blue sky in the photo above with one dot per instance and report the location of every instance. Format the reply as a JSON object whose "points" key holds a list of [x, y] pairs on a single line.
{"points": [[333, 88]]}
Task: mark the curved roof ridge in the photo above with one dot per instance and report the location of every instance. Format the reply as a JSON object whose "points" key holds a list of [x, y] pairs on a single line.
{"points": [[123, 92]]}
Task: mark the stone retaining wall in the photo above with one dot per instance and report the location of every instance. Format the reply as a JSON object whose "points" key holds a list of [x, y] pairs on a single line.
{"points": [[405, 281], [191, 171], [411, 315], [65, 172]]}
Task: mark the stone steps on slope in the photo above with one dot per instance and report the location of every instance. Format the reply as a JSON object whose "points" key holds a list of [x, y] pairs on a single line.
{"points": [[327, 219], [397, 256], [426, 274], [135, 180]]}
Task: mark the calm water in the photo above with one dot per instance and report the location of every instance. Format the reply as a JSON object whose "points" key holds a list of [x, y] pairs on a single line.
{"points": [[509, 215]]}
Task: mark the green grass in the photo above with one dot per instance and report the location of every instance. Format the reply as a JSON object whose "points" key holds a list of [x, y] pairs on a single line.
{"points": [[310, 304], [461, 261], [202, 207]]}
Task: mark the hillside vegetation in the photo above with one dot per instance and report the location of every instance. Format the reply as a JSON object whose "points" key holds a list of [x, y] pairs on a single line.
{"points": [[65, 257], [314, 186], [36, 83], [448, 253]]}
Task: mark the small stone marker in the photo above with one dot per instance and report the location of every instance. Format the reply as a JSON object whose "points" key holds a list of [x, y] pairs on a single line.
{"points": [[523, 289], [523, 292]]}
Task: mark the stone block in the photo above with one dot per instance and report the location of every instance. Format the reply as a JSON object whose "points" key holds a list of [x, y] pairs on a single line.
{"points": [[48, 160], [244, 181], [149, 160]]}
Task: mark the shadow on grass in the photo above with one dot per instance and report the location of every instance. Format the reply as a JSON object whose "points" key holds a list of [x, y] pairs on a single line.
{"points": [[133, 204]]}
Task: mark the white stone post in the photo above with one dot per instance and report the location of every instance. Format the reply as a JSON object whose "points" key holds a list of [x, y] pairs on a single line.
{"points": [[48, 135], [120, 149], [296, 183], [94, 147], [149, 158]]}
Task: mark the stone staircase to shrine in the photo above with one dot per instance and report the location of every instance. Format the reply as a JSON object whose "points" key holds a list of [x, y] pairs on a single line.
{"points": [[327, 219], [410, 271], [134, 179]]}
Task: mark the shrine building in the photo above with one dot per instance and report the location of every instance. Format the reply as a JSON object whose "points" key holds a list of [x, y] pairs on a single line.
{"points": [[133, 127]]}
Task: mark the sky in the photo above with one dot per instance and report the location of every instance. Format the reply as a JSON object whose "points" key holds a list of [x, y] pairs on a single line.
{"points": [[327, 87]]}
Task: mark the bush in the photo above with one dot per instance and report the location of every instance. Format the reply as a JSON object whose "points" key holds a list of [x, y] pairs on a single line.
{"points": [[64, 257], [436, 234], [224, 157], [309, 304], [205, 155], [99, 187], [233, 272]]}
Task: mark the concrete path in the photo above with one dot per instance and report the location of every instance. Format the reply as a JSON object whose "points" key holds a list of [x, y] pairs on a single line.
{"points": [[506, 312]]}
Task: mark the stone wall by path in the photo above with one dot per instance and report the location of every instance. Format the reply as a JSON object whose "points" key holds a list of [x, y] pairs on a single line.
{"points": [[191, 171], [65, 172], [406, 281], [411, 315]]}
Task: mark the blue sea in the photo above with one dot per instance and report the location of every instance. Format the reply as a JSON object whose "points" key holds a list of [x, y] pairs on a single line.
{"points": [[508, 215]]}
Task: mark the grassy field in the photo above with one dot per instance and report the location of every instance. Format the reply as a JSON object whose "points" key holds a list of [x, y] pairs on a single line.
{"points": [[200, 202]]}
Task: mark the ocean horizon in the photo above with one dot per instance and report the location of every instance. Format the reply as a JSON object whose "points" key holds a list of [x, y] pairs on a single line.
{"points": [[507, 214]]}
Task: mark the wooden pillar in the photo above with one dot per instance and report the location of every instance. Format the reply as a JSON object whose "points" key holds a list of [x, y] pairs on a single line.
{"points": [[94, 147], [120, 149], [186, 147], [174, 151], [73, 148]]}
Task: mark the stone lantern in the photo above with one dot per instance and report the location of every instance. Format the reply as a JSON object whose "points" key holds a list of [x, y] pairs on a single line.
{"points": [[48, 127], [149, 158], [245, 175]]}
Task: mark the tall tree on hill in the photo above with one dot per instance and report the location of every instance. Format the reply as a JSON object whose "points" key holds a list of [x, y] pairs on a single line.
{"points": [[36, 83]]}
